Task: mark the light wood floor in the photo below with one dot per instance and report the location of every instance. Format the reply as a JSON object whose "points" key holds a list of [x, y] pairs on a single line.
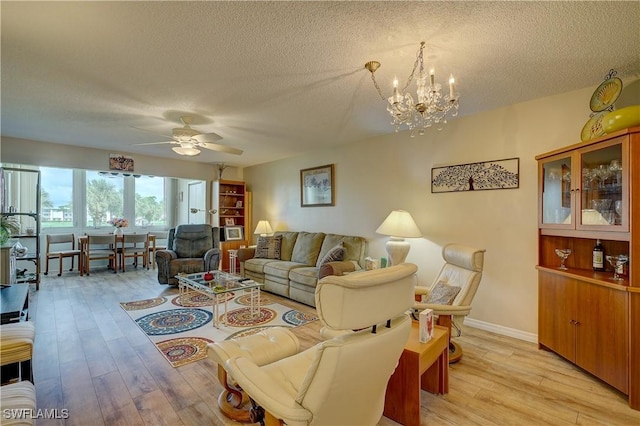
{"points": [[91, 359]]}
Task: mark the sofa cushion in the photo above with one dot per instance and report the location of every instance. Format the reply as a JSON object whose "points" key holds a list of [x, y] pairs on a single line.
{"points": [[269, 247], [334, 254], [307, 248], [280, 269], [304, 277], [288, 241], [442, 294], [257, 265]]}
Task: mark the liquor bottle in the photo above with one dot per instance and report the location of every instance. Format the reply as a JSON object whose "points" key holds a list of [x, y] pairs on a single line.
{"points": [[598, 257]]}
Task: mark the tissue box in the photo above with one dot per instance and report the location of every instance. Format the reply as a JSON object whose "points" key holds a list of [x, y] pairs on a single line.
{"points": [[426, 325], [371, 263]]}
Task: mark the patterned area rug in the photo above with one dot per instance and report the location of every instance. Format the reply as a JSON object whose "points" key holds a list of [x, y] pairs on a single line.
{"points": [[181, 326]]}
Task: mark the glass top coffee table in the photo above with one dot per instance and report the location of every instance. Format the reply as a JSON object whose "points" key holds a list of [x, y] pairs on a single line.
{"points": [[217, 288]]}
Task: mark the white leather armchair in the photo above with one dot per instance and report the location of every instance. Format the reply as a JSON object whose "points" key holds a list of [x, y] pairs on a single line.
{"points": [[462, 270], [341, 381]]}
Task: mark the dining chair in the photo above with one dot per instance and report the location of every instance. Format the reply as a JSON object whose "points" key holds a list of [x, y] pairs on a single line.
{"points": [[65, 246], [101, 247], [134, 246], [157, 241]]}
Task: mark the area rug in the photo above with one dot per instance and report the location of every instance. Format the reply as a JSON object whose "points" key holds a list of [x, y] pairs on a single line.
{"points": [[181, 326]]}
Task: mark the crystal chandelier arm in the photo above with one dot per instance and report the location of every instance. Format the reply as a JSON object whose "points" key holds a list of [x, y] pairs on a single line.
{"points": [[375, 83], [372, 66]]}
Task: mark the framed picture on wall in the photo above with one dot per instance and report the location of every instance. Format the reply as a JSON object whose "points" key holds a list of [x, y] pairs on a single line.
{"points": [[233, 233], [317, 187]]}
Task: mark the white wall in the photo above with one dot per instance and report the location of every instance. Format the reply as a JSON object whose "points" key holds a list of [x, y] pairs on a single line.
{"points": [[393, 171]]}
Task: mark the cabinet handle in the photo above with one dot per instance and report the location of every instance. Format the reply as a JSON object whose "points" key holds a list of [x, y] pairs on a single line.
{"points": [[576, 322]]}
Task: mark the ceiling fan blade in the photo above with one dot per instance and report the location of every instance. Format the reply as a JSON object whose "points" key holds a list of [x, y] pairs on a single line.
{"points": [[207, 137], [221, 148], [154, 143], [151, 131]]}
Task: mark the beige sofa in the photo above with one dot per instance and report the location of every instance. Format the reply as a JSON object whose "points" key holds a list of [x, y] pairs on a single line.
{"points": [[296, 272]]}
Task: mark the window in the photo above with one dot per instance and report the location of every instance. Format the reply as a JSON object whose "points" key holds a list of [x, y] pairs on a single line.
{"points": [[79, 200], [149, 201], [89, 199], [56, 197], [105, 197]]}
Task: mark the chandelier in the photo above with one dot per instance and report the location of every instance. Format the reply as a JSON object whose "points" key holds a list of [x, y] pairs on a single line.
{"points": [[431, 106]]}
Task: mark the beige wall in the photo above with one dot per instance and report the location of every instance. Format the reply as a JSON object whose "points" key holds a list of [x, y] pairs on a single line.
{"points": [[391, 172]]}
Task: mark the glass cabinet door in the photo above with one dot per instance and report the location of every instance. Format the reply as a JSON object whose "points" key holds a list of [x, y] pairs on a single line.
{"points": [[603, 202], [556, 192]]}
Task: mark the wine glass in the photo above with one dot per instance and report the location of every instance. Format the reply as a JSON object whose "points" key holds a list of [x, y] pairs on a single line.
{"points": [[563, 254], [616, 167], [588, 176], [602, 173], [617, 263], [618, 208]]}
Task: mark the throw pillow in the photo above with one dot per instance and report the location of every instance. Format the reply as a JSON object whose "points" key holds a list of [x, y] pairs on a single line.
{"points": [[333, 255], [268, 247], [442, 294]]}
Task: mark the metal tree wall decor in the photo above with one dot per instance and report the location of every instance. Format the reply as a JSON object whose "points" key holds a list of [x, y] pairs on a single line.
{"points": [[498, 174]]}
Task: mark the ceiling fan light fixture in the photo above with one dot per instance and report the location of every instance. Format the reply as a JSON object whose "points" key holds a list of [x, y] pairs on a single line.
{"points": [[188, 151]]}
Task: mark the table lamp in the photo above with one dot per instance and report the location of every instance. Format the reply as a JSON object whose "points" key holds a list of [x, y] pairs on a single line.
{"points": [[398, 225], [263, 228]]}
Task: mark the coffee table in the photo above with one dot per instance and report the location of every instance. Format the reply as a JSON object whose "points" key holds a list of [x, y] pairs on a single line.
{"points": [[421, 366], [14, 303], [218, 289]]}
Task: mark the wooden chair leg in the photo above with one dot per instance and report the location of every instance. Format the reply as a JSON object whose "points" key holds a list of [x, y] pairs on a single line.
{"points": [[60, 264]]}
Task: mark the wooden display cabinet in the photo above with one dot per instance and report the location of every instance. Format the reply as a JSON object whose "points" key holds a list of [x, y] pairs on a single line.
{"points": [[590, 191], [233, 209]]}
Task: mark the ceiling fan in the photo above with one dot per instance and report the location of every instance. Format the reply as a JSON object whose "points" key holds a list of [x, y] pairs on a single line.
{"points": [[190, 140]]}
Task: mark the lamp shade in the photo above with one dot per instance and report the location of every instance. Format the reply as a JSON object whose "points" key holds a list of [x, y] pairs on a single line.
{"points": [[400, 224], [263, 228]]}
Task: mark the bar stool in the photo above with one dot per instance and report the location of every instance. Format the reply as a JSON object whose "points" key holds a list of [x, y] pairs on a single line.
{"points": [[16, 347]]}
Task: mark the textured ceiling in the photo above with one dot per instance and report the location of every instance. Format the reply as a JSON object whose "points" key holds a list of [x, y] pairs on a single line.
{"points": [[277, 79]]}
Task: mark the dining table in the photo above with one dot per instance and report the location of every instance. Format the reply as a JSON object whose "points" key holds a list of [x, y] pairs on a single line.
{"points": [[83, 241]]}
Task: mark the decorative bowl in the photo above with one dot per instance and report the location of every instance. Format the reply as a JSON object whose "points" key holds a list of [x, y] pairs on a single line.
{"points": [[622, 118]]}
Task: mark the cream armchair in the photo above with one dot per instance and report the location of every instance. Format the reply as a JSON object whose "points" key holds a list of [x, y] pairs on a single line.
{"points": [[338, 381], [451, 293]]}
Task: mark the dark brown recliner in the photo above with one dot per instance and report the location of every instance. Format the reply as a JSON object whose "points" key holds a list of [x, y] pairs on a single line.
{"points": [[190, 249]]}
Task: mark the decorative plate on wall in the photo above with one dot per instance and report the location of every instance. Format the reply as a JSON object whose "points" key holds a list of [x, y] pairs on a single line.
{"points": [[594, 127], [606, 94]]}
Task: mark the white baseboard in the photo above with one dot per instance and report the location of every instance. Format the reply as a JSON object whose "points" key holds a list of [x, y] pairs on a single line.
{"points": [[504, 331]]}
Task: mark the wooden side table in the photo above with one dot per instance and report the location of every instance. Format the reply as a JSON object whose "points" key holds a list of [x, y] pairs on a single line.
{"points": [[421, 366], [233, 259]]}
